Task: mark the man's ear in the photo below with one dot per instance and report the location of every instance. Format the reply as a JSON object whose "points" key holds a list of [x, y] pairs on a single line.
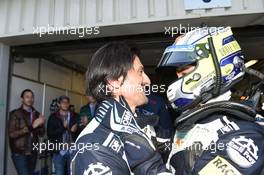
{"points": [[115, 84]]}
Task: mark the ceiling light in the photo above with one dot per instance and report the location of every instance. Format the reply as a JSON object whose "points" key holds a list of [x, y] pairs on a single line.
{"points": [[251, 63]]}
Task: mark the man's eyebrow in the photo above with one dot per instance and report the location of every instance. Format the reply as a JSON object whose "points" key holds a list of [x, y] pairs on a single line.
{"points": [[141, 67]]}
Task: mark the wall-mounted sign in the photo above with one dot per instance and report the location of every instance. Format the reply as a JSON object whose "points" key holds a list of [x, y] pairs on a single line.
{"points": [[205, 4]]}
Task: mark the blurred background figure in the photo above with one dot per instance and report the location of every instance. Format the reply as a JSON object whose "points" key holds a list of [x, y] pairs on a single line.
{"points": [[90, 108], [72, 108], [156, 107], [54, 105], [87, 113], [25, 126], [61, 130]]}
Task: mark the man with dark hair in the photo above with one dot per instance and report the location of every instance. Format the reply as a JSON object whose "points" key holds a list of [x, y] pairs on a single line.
{"points": [[25, 126], [87, 112], [113, 141], [61, 129]]}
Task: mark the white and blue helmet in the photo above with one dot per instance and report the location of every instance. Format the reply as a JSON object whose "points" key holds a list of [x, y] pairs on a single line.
{"points": [[218, 63]]}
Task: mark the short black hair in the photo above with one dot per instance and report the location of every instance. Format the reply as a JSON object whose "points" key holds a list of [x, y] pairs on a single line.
{"points": [[25, 91], [63, 97], [109, 62], [134, 48]]}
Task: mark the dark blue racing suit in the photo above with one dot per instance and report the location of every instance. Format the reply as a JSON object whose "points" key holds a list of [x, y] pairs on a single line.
{"points": [[114, 144], [157, 106], [163, 129], [218, 140]]}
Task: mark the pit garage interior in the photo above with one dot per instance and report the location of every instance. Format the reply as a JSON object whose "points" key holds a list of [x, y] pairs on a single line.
{"points": [[57, 68], [54, 65]]}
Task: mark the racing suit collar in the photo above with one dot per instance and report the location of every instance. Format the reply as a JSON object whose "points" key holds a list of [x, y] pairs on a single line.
{"points": [[124, 103], [223, 97], [117, 116]]}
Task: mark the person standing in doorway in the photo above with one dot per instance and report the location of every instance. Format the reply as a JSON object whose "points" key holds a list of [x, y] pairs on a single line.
{"points": [[61, 130], [87, 112], [25, 126]]}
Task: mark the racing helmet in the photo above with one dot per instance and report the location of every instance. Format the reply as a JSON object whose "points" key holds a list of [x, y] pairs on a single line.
{"points": [[218, 63]]}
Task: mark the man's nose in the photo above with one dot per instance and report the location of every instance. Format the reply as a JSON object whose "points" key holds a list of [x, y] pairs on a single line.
{"points": [[179, 74], [146, 80]]}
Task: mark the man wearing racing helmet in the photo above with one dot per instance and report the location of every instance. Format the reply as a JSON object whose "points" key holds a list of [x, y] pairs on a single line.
{"points": [[213, 135]]}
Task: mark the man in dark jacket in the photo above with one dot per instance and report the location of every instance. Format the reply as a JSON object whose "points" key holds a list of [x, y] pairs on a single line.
{"points": [[61, 129], [114, 143], [25, 126], [87, 113]]}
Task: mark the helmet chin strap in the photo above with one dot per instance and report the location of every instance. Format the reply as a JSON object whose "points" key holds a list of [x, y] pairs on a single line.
{"points": [[223, 97], [218, 81]]}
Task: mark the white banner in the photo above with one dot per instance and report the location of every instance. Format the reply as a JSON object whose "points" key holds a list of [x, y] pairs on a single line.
{"points": [[205, 4]]}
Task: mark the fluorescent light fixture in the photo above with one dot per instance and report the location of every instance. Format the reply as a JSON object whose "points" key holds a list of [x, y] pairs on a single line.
{"points": [[251, 63]]}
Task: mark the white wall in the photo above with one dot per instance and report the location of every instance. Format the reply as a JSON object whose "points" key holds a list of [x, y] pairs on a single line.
{"points": [[21, 16], [4, 78], [116, 17], [28, 69], [44, 71], [55, 75]]}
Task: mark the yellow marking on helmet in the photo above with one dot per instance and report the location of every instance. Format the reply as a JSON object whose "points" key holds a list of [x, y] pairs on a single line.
{"points": [[227, 69], [205, 67], [229, 48]]}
